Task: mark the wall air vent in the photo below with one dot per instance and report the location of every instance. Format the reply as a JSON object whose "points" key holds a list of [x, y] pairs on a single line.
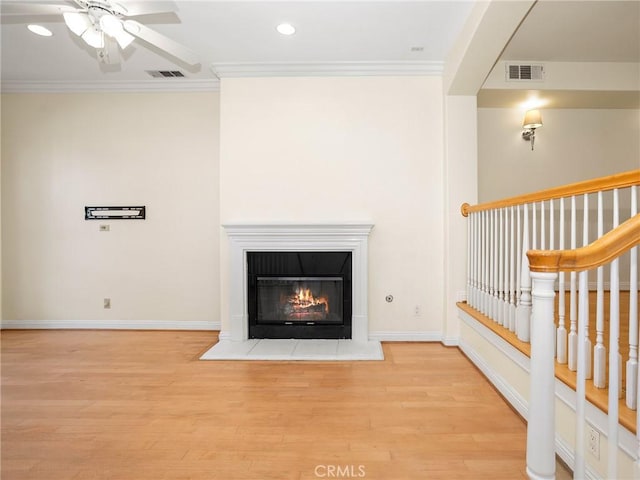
{"points": [[165, 73], [525, 72]]}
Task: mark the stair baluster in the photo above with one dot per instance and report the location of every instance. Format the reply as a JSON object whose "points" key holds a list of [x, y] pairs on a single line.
{"points": [[561, 339]]}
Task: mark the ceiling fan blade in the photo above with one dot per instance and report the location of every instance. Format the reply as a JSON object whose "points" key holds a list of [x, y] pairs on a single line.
{"points": [[29, 8], [164, 43], [133, 9], [77, 22]]}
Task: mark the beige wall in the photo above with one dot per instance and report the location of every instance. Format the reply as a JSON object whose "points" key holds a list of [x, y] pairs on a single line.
{"points": [[379, 143], [461, 186], [61, 152], [1, 317], [339, 150], [573, 145]]}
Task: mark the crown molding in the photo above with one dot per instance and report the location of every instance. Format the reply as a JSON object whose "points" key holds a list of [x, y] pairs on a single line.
{"points": [[325, 69], [155, 85], [229, 70]]}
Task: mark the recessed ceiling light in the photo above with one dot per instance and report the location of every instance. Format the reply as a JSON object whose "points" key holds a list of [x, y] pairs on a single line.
{"points": [[286, 29], [40, 30]]}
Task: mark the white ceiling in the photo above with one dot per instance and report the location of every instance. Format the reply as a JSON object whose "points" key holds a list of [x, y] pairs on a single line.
{"points": [[239, 37], [578, 31], [232, 33]]}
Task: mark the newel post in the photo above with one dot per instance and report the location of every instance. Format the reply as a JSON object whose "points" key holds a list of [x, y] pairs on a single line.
{"points": [[541, 458]]}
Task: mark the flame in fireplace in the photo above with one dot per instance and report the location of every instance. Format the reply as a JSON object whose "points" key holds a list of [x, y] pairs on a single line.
{"points": [[304, 299]]}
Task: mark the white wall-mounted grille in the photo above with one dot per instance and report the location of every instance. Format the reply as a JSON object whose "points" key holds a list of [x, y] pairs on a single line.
{"points": [[165, 73], [524, 72]]}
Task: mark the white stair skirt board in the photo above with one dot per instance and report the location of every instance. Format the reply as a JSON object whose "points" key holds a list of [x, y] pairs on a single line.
{"points": [[293, 349]]}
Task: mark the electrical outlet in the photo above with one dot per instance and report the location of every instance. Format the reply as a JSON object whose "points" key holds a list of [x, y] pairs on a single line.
{"points": [[593, 441], [105, 228], [107, 303], [417, 311]]}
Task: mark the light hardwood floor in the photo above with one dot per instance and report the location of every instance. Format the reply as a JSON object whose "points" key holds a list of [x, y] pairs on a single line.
{"points": [[124, 405]]}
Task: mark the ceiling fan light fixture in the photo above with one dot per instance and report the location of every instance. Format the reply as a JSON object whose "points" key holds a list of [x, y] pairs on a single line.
{"points": [[78, 23], [40, 30], [124, 39], [94, 37], [110, 25]]}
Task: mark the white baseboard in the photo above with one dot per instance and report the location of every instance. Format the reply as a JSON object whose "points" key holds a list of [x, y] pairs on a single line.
{"points": [[516, 400], [451, 341], [382, 336], [109, 324]]}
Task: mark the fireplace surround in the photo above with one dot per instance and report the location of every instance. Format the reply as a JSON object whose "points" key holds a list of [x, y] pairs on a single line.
{"points": [[349, 238]]}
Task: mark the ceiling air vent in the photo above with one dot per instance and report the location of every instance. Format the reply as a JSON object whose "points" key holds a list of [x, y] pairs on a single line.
{"points": [[525, 72], [165, 73]]}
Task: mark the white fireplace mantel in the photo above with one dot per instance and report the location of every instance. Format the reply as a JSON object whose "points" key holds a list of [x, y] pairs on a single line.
{"points": [[347, 237]]}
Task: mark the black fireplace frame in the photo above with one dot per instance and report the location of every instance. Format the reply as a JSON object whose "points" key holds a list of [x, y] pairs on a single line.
{"points": [[300, 264]]}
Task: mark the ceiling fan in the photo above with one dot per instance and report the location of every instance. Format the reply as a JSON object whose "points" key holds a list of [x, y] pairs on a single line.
{"points": [[107, 26]]}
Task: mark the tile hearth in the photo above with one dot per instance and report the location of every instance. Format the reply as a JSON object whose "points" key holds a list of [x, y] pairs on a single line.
{"points": [[294, 349]]}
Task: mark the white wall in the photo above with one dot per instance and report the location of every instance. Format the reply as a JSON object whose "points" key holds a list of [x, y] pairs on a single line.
{"points": [[573, 145], [461, 187], [62, 152], [345, 149], [1, 317]]}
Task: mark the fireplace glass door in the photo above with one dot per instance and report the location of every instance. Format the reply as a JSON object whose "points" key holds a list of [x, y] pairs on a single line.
{"points": [[307, 300], [299, 294]]}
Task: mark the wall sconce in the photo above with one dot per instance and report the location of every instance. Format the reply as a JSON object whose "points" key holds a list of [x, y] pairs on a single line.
{"points": [[532, 120]]}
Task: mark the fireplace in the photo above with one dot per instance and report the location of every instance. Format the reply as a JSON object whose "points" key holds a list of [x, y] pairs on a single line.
{"points": [[246, 239], [299, 294]]}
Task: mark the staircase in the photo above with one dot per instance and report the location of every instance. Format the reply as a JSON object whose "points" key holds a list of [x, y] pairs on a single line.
{"points": [[534, 263]]}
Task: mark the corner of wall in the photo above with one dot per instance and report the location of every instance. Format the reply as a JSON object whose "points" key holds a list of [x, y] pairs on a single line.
{"points": [[1, 315], [460, 181]]}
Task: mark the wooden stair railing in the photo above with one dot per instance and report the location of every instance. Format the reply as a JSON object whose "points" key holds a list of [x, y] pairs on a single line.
{"points": [[499, 278], [602, 251], [602, 184], [545, 267]]}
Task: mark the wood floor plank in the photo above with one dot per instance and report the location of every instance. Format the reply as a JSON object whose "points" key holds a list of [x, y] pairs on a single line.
{"points": [[137, 405]]}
